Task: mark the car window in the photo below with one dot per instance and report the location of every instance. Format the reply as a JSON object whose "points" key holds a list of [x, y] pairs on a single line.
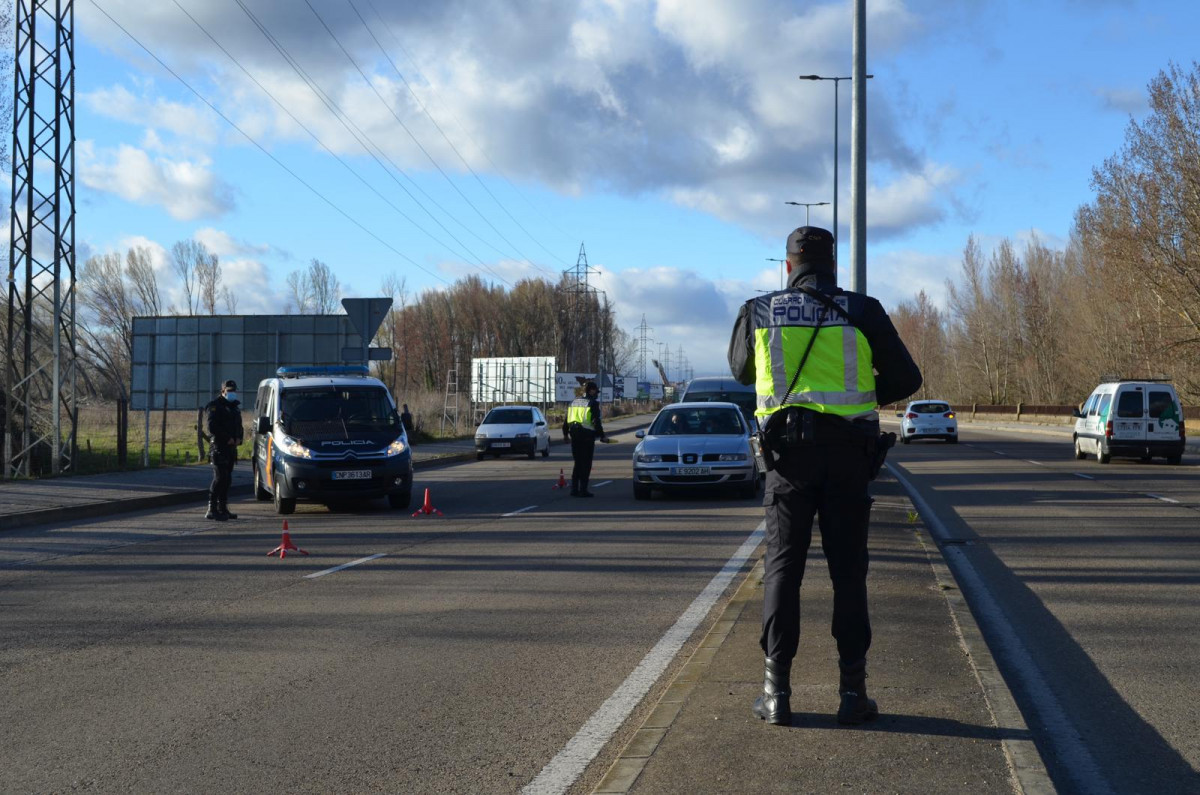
{"points": [[700, 421], [1105, 402], [930, 408], [1090, 408], [1161, 401], [508, 417], [746, 401], [313, 410], [1130, 404]]}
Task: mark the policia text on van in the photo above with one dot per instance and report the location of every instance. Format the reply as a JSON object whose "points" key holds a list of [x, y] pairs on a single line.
{"points": [[327, 434]]}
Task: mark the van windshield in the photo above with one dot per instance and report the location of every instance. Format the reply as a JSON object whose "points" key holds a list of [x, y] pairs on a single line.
{"points": [[746, 401], [337, 409]]}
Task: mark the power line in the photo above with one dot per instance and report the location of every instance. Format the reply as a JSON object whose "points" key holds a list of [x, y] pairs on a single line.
{"points": [[438, 127], [316, 138], [415, 140], [462, 128], [359, 135], [263, 149]]}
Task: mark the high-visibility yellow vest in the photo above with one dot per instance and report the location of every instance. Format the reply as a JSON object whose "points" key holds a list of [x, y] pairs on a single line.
{"points": [[580, 412], [838, 377]]}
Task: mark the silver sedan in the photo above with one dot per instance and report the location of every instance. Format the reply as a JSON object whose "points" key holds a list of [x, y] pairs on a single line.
{"points": [[695, 446]]}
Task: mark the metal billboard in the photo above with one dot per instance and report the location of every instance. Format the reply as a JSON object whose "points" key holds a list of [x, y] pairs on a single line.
{"points": [[513, 379], [188, 358]]}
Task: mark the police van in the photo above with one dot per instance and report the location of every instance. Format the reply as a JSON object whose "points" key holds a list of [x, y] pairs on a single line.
{"points": [[328, 434], [724, 389], [1132, 419]]}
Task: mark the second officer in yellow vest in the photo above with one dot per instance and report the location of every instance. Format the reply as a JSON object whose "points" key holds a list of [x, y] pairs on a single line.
{"points": [[821, 361], [583, 427]]}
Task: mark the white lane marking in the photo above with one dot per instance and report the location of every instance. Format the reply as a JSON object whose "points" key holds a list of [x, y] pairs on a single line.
{"points": [[999, 452], [1062, 736], [1081, 475], [601, 483], [1161, 497], [343, 566], [519, 510], [1035, 463], [562, 771]]}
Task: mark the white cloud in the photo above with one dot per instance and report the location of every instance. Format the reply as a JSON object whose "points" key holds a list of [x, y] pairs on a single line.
{"points": [[224, 245], [118, 102], [187, 189]]}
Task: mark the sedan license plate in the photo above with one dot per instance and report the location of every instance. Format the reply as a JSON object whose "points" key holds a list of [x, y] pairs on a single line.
{"points": [[501, 444], [352, 474], [690, 471]]}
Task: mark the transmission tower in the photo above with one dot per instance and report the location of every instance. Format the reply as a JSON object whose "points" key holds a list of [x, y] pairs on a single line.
{"points": [[643, 341], [582, 292], [40, 373], [681, 363]]}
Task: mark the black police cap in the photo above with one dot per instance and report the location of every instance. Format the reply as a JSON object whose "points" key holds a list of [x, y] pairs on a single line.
{"points": [[811, 244], [231, 385]]}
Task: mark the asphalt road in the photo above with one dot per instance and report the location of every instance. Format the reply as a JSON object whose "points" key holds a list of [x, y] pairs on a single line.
{"points": [[157, 652], [1085, 587]]}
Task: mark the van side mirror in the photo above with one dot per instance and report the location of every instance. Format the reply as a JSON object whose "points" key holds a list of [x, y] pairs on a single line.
{"points": [[1075, 413], [262, 425], [640, 434], [539, 423]]}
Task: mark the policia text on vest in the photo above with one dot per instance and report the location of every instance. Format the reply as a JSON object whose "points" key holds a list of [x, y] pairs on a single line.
{"points": [[821, 361], [583, 427]]}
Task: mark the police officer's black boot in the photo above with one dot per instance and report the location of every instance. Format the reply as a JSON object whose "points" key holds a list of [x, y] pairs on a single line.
{"points": [[224, 507], [574, 487], [774, 705], [855, 708], [583, 492], [214, 512]]}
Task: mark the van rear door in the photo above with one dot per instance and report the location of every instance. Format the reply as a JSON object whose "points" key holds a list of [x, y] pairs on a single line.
{"points": [[1129, 420], [1165, 415]]}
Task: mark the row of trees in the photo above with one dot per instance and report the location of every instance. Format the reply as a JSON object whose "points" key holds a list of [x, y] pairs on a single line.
{"points": [[1037, 325]]}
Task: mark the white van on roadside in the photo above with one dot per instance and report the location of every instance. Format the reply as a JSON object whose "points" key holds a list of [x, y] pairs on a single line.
{"points": [[1131, 419]]}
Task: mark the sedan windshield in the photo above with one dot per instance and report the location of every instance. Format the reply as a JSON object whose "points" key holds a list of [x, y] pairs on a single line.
{"points": [[337, 409], [508, 417], [700, 421]]}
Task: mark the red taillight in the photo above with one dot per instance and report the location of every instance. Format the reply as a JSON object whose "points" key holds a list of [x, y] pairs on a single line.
{"points": [[949, 415], [1108, 430], [910, 416]]}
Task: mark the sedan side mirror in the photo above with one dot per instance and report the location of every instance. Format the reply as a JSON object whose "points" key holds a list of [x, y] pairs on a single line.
{"points": [[539, 423], [640, 434], [262, 425]]}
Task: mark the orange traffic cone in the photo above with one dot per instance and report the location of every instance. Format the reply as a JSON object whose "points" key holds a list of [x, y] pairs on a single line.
{"points": [[286, 544], [562, 481], [427, 508]]}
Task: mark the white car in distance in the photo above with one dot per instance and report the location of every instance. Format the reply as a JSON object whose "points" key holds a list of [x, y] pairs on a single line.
{"points": [[928, 419]]}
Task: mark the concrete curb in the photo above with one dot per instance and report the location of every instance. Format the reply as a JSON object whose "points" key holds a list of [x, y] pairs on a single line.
{"points": [[94, 510]]}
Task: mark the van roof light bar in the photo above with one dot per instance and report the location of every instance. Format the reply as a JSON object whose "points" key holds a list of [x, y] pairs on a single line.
{"points": [[1156, 379], [329, 370]]}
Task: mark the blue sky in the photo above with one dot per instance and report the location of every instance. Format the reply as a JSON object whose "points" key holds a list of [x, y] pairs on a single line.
{"points": [[663, 135]]}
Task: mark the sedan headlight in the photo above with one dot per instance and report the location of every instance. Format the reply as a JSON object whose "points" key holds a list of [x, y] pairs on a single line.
{"points": [[648, 458], [396, 448], [481, 436], [289, 446], [732, 457]]}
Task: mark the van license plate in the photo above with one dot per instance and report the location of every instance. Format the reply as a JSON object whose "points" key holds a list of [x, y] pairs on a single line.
{"points": [[501, 444], [352, 474], [691, 470], [1127, 426]]}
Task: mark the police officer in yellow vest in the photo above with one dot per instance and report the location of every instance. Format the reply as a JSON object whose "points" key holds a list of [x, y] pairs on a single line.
{"points": [[821, 361], [583, 428]]}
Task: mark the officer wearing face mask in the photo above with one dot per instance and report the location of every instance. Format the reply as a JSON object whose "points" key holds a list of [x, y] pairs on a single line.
{"points": [[822, 360], [223, 426]]}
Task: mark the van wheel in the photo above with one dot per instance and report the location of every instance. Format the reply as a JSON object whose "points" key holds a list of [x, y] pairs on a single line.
{"points": [[1079, 454], [1174, 460], [1103, 456], [283, 505], [260, 494]]}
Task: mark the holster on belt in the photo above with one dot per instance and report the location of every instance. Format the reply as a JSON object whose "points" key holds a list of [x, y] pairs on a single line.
{"points": [[794, 428]]}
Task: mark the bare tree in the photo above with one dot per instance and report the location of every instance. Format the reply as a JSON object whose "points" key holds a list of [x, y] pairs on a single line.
{"points": [[208, 281], [139, 270], [231, 300], [186, 256], [324, 287], [300, 299]]}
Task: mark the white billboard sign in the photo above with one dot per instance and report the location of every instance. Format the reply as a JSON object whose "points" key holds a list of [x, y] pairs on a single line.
{"points": [[513, 379]]}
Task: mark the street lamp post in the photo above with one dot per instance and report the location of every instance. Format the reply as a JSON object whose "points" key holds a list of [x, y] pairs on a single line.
{"points": [[780, 261], [806, 206], [835, 80]]}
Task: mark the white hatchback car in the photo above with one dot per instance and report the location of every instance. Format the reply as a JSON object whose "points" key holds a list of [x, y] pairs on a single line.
{"points": [[928, 419], [513, 429]]}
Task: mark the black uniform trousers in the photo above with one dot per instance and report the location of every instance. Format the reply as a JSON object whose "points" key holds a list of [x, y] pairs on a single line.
{"points": [[223, 457], [583, 449], [829, 480]]}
